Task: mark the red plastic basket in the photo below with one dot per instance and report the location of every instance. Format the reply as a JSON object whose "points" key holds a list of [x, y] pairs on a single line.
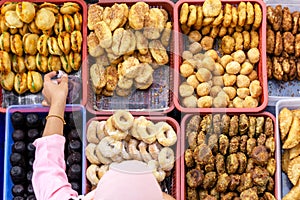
{"points": [[175, 187], [145, 102], [277, 176], [83, 49], [261, 69]]}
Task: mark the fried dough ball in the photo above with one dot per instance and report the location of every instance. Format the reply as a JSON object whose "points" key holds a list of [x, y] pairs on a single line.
{"points": [[230, 91], [210, 179], [212, 8], [253, 75], [221, 100], [186, 69], [227, 44], [288, 42], [253, 55], [205, 102], [286, 19], [217, 80], [185, 90], [195, 36], [255, 89], [203, 89], [233, 67], [219, 69], [203, 75], [278, 44], [207, 43], [242, 81], [193, 81], [246, 68], [214, 91], [190, 102], [243, 92], [195, 47], [225, 60], [229, 79], [250, 102], [239, 56], [270, 41], [237, 102]]}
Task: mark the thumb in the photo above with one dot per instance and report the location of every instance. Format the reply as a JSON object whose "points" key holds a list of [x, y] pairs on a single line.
{"points": [[64, 79]]}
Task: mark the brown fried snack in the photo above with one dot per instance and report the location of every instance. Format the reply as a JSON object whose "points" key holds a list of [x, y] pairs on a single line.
{"points": [[254, 39], [285, 65], [16, 45], [234, 21], [286, 19], [297, 45], [293, 69], [270, 41], [227, 15], [212, 8], [137, 13], [95, 14], [246, 39], [158, 52], [288, 42], [298, 69], [258, 16], [293, 169], [207, 42], [242, 13], [277, 18], [166, 34], [199, 20], [20, 83], [184, 13], [154, 23], [269, 67], [44, 19], [278, 44], [7, 80], [250, 13], [239, 41], [69, 8], [18, 64], [104, 34], [192, 15], [295, 19], [25, 11], [111, 78], [34, 81], [227, 44], [270, 15], [218, 20]]}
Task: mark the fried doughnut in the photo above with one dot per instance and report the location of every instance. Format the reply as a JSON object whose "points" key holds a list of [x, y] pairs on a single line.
{"points": [[125, 151], [145, 154], [165, 135], [146, 131], [166, 158], [154, 150], [157, 172], [111, 130], [133, 152], [91, 174], [91, 132], [122, 120], [102, 159], [90, 152], [109, 147]]}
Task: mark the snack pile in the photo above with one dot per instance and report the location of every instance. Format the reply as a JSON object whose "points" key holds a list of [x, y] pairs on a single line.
{"points": [[283, 43], [228, 157], [36, 39], [123, 137], [128, 44], [221, 55], [27, 127], [289, 127]]}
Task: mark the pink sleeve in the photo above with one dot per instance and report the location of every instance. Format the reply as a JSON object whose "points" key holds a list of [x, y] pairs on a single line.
{"points": [[49, 179]]}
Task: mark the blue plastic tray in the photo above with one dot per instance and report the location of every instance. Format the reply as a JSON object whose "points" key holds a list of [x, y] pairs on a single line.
{"points": [[2, 136], [42, 111]]}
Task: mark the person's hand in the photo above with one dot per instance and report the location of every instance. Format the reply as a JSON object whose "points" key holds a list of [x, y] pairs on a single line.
{"points": [[55, 91], [167, 196]]}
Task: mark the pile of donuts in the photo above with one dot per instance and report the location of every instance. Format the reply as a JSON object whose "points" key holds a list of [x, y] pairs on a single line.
{"points": [[35, 39], [128, 44], [123, 137]]}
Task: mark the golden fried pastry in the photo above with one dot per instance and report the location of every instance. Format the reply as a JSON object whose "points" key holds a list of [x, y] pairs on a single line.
{"points": [[293, 169], [250, 102], [239, 56], [185, 29], [255, 89], [147, 58], [233, 67], [77, 21], [269, 68], [42, 45], [294, 152], [94, 48], [254, 39], [44, 19], [145, 85], [50, 6], [64, 59], [270, 41], [258, 16], [288, 42], [154, 23], [246, 39], [6, 6], [193, 81], [227, 44], [227, 15], [243, 92], [158, 52], [221, 100], [207, 21], [242, 13], [203, 89], [118, 16], [104, 34], [64, 41], [69, 8], [250, 13], [124, 83], [98, 76], [53, 46], [195, 47], [111, 78], [212, 8], [33, 28], [121, 41], [203, 75], [297, 45], [3, 26], [34, 81], [12, 19], [286, 19], [76, 41], [25, 11], [207, 43], [285, 65], [214, 31], [16, 44], [69, 23], [30, 42], [277, 69], [184, 13], [293, 137], [130, 68], [48, 32], [192, 15], [123, 92], [186, 69], [218, 20], [20, 83], [253, 55], [278, 44], [285, 122], [230, 91], [41, 63], [214, 91], [295, 24], [18, 64], [199, 19], [141, 42], [137, 14], [166, 34], [293, 69], [239, 41], [7, 81], [54, 63], [145, 73], [23, 30], [294, 193], [75, 60], [277, 18], [5, 62], [95, 15]]}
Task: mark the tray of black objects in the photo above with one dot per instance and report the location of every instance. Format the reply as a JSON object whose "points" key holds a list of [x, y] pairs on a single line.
{"points": [[26, 123]]}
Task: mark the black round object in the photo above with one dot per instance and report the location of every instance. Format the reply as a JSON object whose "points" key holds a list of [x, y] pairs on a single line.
{"points": [[17, 174], [75, 186], [30, 162], [32, 120], [74, 158], [74, 172], [18, 190], [30, 189], [32, 134], [74, 145], [18, 198], [19, 147], [18, 135], [17, 159], [29, 175], [17, 119], [31, 197], [30, 150], [73, 135]]}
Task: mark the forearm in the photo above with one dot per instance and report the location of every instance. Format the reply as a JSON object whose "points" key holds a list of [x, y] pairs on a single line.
{"points": [[55, 125]]}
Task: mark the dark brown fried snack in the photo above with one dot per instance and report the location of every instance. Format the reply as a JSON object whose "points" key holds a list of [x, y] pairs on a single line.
{"points": [[223, 144], [277, 69], [288, 42], [298, 69], [243, 124], [232, 163], [260, 155], [188, 158], [295, 16], [270, 15], [297, 45], [210, 180], [234, 126], [220, 164], [269, 67], [234, 144], [285, 65], [194, 123], [270, 41], [222, 182], [286, 19], [234, 181], [194, 178], [293, 69], [245, 182], [277, 18], [243, 143]]}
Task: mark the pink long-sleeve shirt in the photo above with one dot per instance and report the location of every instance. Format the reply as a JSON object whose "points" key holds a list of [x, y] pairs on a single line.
{"points": [[123, 181]]}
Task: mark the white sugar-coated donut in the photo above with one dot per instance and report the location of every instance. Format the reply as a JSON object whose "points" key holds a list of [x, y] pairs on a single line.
{"points": [[166, 158], [122, 120], [109, 147], [166, 135], [145, 154], [90, 152]]}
